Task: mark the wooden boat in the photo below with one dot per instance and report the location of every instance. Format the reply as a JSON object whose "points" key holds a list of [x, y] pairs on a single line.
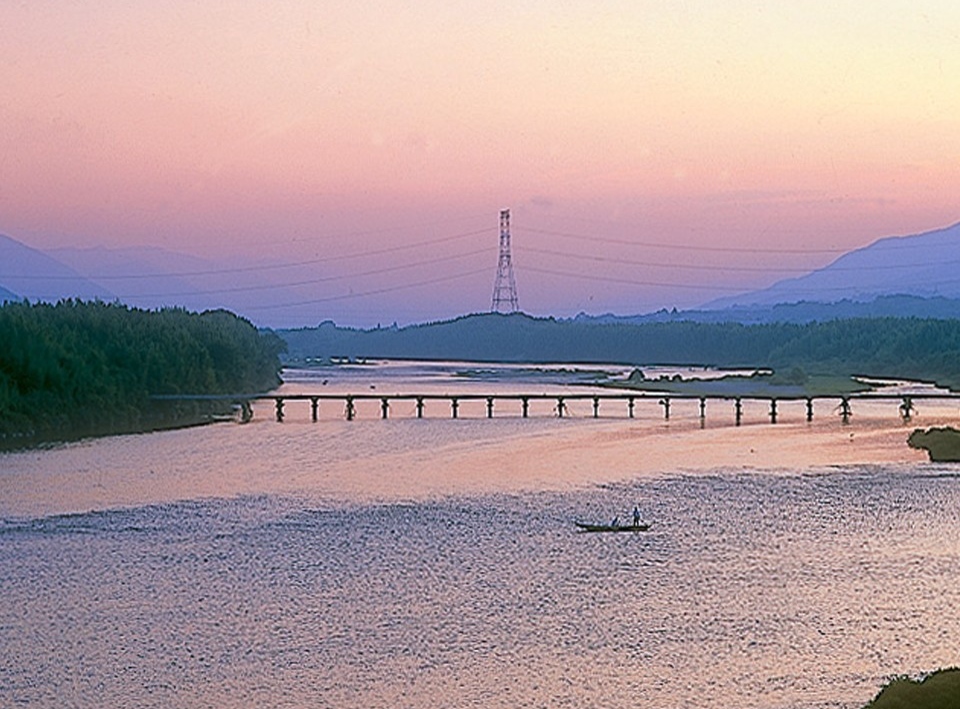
{"points": [[584, 527]]}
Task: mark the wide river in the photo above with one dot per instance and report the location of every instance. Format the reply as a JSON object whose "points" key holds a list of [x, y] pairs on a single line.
{"points": [[434, 562]]}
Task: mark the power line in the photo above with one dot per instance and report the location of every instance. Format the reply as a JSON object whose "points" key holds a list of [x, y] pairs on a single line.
{"points": [[706, 267], [364, 294], [312, 281], [608, 279], [739, 288], [252, 269], [682, 247]]}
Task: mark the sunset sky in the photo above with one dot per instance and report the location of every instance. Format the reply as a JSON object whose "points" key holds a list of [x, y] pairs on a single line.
{"points": [[653, 154]]}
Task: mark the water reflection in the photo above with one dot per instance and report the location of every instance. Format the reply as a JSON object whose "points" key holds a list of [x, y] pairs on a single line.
{"points": [[752, 590]]}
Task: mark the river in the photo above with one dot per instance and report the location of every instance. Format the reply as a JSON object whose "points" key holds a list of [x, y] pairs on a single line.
{"points": [[434, 562]]}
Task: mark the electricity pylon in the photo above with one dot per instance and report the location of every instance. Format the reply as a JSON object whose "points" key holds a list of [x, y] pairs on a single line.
{"points": [[505, 287]]}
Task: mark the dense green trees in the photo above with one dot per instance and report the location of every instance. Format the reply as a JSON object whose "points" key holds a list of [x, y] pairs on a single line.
{"points": [[78, 368], [913, 348]]}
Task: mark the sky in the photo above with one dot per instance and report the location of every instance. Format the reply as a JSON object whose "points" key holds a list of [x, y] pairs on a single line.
{"points": [[653, 154]]}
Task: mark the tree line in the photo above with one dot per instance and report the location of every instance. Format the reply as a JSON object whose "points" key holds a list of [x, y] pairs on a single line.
{"points": [[890, 347], [83, 368]]}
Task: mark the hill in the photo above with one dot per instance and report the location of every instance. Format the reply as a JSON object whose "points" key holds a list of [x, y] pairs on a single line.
{"points": [[895, 306], [144, 277], [923, 265], [6, 296], [275, 291], [36, 276], [908, 348]]}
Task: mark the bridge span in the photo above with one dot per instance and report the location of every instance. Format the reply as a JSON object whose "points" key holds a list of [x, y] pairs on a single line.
{"points": [[621, 403]]}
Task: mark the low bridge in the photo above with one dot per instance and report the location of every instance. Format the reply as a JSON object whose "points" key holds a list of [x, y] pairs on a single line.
{"points": [[625, 403]]}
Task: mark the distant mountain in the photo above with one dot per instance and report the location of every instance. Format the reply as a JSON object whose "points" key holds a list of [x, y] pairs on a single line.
{"points": [[146, 277], [925, 265], [895, 306], [34, 275], [894, 277], [6, 295], [271, 293]]}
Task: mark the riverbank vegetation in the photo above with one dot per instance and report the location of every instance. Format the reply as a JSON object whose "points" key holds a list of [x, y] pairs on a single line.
{"points": [[809, 354], [763, 384], [86, 368], [939, 690]]}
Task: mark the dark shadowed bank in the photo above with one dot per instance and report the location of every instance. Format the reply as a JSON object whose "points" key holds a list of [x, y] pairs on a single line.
{"points": [[78, 369], [922, 349], [939, 690]]}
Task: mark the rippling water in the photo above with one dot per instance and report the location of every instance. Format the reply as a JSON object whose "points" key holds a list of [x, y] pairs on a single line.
{"points": [[752, 589]]}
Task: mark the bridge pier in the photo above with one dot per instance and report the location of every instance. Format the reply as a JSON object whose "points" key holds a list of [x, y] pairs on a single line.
{"points": [[906, 409], [279, 407], [665, 403], [845, 412]]}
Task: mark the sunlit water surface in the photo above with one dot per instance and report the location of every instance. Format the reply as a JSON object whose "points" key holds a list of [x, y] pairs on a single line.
{"points": [[752, 589]]}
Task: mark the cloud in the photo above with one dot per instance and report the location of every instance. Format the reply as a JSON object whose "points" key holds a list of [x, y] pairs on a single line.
{"points": [[541, 201]]}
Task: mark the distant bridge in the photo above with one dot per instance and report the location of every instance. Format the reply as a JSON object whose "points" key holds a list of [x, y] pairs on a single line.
{"points": [[626, 403]]}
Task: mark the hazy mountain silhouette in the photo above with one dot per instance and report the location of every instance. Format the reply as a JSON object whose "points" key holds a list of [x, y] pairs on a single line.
{"points": [[6, 295], [925, 265], [886, 306], [151, 277], [144, 277], [896, 276], [34, 275]]}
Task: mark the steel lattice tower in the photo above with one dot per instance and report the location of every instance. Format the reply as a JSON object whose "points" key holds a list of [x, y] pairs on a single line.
{"points": [[505, 287]]}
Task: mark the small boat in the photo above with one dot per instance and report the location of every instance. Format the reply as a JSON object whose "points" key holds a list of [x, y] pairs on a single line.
{"points": [[584, 527]]}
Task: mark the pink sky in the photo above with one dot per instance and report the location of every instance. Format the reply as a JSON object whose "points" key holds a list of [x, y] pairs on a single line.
{"points": [[296, 129]]}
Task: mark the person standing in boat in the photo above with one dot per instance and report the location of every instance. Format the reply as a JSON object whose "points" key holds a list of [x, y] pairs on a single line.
{"points": [[636, 516]]}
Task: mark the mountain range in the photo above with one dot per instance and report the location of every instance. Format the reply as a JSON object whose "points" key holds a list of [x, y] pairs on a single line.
{"points": [[925, 265], [29, 273], [150, 278], [914, 275]]}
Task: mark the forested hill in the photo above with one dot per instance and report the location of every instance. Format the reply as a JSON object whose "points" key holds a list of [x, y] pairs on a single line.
{"points": [[79, 368], [914, 348]]}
